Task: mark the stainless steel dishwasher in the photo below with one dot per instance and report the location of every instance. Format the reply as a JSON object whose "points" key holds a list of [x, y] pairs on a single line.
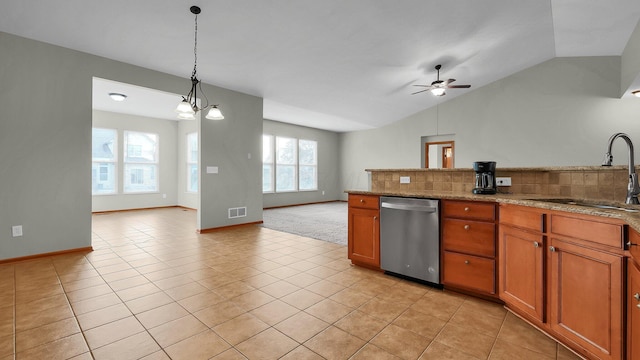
{"points": [[410, 237]]}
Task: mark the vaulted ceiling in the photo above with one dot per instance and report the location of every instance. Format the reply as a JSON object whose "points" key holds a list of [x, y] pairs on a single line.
{"points": [[332, 64]]}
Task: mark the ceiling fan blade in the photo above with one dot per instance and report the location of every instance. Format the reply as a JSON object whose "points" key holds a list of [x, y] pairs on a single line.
{"points": [[423, 85], [447, 82], [418, 92], [459, 86]]}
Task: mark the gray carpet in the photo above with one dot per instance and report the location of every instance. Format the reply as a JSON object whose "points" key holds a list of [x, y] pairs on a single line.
{"points": [[327, 221]]}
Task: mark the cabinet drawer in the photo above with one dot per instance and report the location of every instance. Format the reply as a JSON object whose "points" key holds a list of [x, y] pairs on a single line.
{"points": [[591, 229], [469, 210], [470, 272], [522, 217], [470, 237], [364, 201]]}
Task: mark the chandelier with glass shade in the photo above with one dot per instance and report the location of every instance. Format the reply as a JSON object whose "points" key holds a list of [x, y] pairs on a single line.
{"points": [[188, 107]]}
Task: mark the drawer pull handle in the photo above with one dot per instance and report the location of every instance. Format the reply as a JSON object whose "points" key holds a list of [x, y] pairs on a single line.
{"points": [[630, 244], [466, 262], [636, 296], [375, 218], [552, 249], [466, 209], [361, 201], [467, 227], [536, 244]]}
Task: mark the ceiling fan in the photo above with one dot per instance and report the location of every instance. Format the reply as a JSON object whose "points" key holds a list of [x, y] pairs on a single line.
{"points": [[438, 87]]}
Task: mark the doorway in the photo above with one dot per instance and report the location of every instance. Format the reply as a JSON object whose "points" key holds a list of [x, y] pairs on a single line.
{"points": [[439, 155]]}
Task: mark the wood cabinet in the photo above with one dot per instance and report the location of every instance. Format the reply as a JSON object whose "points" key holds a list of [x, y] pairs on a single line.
{"points": [[585, 297], [585, 267], [564, 273], [364, 230], [522, 244], [469, 246], [633, 309]]}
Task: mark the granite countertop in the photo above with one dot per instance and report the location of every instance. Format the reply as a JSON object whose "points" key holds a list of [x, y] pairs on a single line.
{"points": [[542, 168], [539, 201]]}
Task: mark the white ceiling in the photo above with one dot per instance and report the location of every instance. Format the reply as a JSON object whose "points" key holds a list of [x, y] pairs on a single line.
{"points": [[330, 64]]}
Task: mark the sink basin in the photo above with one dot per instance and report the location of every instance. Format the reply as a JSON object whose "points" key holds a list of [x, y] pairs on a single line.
{"points": [[588, 204]]}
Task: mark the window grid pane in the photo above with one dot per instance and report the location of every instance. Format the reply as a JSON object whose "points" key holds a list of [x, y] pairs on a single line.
{"points": [[285, 178], [286, 164], [267, 163], [104, 154], [141, 157], [192, 162], [308, 161]]}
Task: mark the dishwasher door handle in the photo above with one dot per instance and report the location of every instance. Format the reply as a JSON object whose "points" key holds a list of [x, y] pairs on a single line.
{"points": [[429, 209]]}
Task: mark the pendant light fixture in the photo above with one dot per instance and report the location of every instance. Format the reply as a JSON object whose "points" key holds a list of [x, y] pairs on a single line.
{"points": [[188, 107]]}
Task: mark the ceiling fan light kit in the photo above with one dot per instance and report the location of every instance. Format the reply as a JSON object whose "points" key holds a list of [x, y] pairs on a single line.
{"points": [[438, 87], [188, 107], [438, 91]]}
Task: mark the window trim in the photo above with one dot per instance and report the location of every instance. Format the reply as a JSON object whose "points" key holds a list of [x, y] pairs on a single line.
{"points": [[274, 164]]}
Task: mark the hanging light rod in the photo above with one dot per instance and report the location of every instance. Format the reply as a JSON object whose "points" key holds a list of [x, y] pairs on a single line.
{"points": [[188, 107]]}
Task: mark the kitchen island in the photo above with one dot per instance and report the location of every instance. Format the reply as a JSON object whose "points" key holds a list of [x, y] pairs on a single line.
{"points": [[566, 263]]}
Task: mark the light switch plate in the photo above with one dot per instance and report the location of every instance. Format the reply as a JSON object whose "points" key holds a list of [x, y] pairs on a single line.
{"points": [[405, 179], [16, 230], [212, 169]]}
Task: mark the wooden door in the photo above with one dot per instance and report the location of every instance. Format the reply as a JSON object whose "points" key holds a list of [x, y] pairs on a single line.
{"points": [[364, 236], [633, 311], [585, 297], [521, 270], [447, 157]]}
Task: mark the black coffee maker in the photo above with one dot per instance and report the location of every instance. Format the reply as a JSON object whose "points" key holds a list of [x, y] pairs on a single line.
{"points": [[485, 177]]}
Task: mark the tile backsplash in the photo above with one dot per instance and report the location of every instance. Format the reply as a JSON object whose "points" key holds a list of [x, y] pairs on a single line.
{"points": [[584, 182]]}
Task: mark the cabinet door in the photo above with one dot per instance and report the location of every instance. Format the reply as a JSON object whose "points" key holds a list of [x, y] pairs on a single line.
{"points": [[522, 271], [633, 311], [364, 236], [585, 297]]}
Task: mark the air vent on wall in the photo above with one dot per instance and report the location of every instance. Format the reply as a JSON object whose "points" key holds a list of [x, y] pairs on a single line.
{"points": [[237, 212]]}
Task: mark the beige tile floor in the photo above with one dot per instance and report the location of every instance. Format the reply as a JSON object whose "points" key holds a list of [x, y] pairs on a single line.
{"points": [[155, 289]]}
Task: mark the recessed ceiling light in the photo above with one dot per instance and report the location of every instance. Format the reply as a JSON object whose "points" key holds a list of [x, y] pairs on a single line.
{"points": [[117, 96], [636, 93]]}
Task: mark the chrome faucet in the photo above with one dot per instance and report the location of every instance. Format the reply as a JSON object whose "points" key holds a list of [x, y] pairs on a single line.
{"points": [[633, 189]]}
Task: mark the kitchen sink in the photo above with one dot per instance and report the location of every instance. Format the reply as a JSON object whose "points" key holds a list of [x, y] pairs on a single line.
{"points": [[606, 206]]}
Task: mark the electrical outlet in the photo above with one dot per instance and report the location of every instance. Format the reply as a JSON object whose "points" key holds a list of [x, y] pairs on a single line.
{"points": [[16, 230], [405, 179], [503, 181]]}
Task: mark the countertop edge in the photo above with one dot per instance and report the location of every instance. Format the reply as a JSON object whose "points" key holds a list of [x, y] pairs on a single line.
{"points": [[536, 201]]}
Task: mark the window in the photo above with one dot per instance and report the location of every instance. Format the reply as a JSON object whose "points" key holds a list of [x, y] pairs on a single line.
{"points": [[295, 162], [104, 145], [286, 164], [140, 162], [192, 162], [308, 164], [267, 163]]}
